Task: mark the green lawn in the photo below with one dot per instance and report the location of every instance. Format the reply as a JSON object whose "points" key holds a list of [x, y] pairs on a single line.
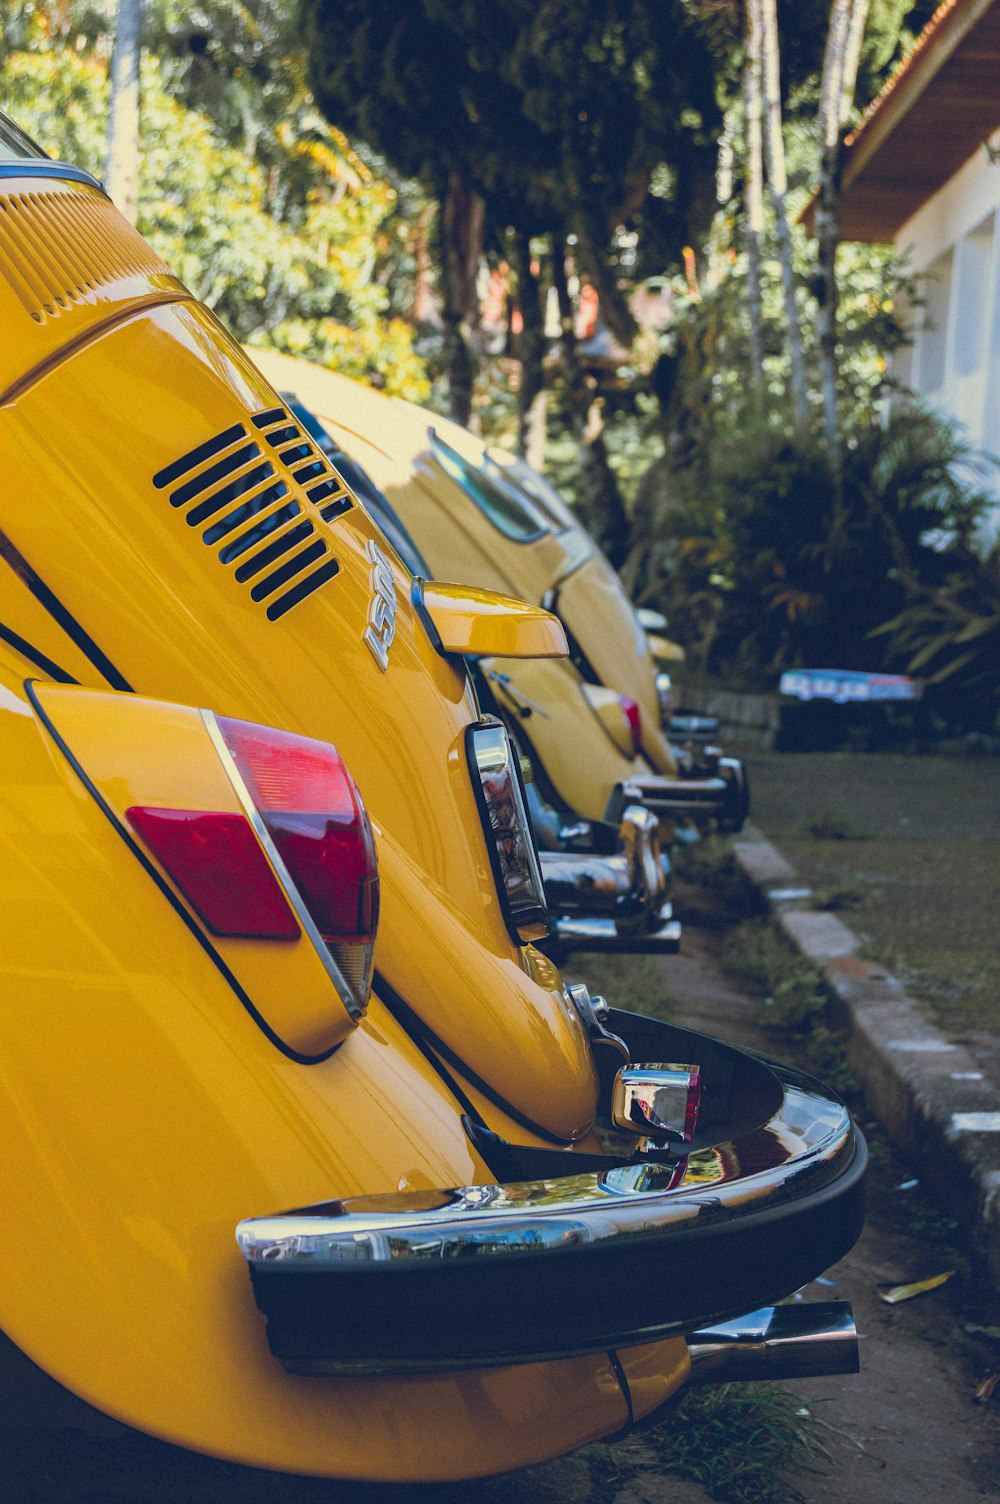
{"points": [[907, 850]]}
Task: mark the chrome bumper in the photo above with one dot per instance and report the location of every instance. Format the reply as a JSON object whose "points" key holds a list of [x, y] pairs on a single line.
{"points": [[662, 938], [766, 1196], [721, 797], [612, 902]]}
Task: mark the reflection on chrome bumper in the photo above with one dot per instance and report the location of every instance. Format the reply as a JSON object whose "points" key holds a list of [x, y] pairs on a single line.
{"points": [[602, 935], [492, 1274], [612, 901]]}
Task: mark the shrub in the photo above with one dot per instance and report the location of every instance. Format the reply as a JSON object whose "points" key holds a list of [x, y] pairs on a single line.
{"points": [[763, 560]]}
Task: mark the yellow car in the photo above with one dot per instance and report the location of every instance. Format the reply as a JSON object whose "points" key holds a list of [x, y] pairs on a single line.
{"points": [[593, 723], [312, 1160]]}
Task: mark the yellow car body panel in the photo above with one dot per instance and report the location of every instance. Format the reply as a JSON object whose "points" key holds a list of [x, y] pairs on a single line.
{"points": [[390, 439], [144, 1113], [175, 623], [555, 721]]}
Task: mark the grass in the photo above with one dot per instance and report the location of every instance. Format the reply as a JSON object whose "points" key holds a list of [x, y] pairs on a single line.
{"points": [[793, 995], [740, 1442], [911, 845]]}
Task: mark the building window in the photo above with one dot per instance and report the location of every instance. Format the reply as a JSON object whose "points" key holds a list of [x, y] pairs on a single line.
{"points": [[933, 346], [975, 259]]}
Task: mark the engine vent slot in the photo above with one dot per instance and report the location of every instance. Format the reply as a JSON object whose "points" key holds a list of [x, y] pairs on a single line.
{"points": [[233, 482], [309, 467], [61, 249]]}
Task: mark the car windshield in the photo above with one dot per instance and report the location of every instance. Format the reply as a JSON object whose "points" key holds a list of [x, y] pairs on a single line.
{"points": [[510, 511], [14, 144]]}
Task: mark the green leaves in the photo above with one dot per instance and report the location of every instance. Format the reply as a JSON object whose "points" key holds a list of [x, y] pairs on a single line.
{"points": [[267, 213]]}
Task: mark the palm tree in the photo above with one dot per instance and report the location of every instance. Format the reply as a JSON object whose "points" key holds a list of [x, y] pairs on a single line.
{"points": [[840, 72], [121, 165]]}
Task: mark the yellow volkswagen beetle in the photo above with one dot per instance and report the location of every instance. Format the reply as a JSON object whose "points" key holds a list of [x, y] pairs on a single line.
{"points": [[594, 722], [429, 1222]]}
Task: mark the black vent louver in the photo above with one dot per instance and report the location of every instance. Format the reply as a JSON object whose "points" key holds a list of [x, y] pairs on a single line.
{"points": [[235, 487]]}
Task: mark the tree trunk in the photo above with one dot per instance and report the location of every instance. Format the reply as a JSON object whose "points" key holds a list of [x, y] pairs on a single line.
{"points": [[774, 153], [121, 165], [840, 71], [530, 345], [604, 505], [462, 244], [422, 305], [754, 194]]}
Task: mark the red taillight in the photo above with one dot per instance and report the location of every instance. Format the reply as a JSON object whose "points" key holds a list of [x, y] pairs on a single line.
{"points": [[216, 860], [301, 856], [313, 813], [633, 719]]}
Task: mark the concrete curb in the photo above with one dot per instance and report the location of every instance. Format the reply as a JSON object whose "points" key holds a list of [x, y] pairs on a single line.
{"points": [[931, 1096]]}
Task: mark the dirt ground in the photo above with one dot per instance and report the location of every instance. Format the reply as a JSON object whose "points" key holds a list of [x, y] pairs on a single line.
{"points": [[906, 1431]]}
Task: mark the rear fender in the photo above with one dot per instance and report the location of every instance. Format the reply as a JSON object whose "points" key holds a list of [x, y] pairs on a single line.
{"points": [[143, 1113]]}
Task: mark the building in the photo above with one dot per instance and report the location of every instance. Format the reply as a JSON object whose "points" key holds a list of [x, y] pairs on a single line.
{"points": [[922, 170]]}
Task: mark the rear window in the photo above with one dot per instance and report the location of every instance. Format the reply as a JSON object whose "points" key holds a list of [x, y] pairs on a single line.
{"points": [[541, 492], [510, 512], [14, 144]]}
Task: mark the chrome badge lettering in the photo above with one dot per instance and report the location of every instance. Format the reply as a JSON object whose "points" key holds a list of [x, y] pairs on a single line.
{"points": [[382, 610]]}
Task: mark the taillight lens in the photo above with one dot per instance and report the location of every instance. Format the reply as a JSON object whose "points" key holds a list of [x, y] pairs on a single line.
{"points": [[216, 860], [300, 857], [633, 720], [313, 813], [496, 778]]}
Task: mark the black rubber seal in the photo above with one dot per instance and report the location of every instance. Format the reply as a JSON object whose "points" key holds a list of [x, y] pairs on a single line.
{"points": [[441, 1055], [35, 655], [47, 598]]}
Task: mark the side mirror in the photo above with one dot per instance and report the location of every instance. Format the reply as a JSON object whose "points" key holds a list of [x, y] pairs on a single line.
{"points": [[483, 624], [665, 651]]}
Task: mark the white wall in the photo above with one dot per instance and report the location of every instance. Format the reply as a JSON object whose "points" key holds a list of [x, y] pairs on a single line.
{"points": [[952, 245]]}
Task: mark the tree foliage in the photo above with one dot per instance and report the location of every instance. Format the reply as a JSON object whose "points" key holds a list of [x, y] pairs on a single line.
{"points": [[597, 120], [271, 217]]}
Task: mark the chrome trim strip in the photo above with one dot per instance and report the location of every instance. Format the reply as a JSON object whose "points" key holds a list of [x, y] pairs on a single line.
{"points": [[588, 932], [345, 992], [803, 1148], [26, 167]]}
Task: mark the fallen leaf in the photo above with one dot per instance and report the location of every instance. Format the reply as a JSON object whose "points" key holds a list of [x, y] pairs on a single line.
{"points": [[984, 1391], [975, 1330], [920, 1287]]}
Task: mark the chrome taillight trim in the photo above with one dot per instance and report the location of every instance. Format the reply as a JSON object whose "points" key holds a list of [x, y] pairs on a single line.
{"points": [[354, 1007], [490, 752]]}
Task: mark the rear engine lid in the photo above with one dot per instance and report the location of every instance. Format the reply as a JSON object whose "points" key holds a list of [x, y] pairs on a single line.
{"points": [[197, 548]]}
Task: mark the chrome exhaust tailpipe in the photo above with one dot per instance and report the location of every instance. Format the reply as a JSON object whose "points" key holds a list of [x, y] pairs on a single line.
{"points": [[777, 1342]]}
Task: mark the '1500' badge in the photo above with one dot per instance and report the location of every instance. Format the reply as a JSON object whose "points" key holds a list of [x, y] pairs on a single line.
{"points": [[382, 608]]}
